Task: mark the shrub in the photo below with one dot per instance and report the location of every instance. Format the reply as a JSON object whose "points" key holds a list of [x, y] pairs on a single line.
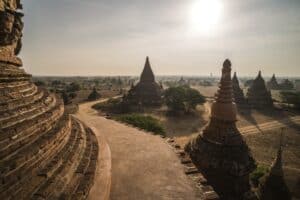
{"points": [[183, 98], [147, 123], [94, 95], [258, 173]]}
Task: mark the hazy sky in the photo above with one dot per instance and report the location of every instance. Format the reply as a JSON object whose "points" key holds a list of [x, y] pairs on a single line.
{"points": [[113, 37]]}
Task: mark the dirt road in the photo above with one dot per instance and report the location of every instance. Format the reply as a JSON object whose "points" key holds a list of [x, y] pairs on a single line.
{"points": [[272, 125], [143, 165]]}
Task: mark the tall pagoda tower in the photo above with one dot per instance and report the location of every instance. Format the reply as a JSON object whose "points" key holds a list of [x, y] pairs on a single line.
{"points": [[220, 151], [44, 153], [238, 93], [147, 92], [273, 186], [258, 95], [273, 84]]}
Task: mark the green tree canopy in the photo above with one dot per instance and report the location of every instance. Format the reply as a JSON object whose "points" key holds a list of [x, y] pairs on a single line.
{"points": [[183, 99]]}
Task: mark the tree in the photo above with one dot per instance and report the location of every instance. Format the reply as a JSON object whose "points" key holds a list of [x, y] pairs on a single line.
{"points": [[73, 87], [174, 97], [94, 95], [192, 99], [291, 98], [183, 99], [65, 97], [40, 83]]}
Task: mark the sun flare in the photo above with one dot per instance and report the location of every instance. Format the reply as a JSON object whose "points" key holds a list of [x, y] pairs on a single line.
{"points": [[205, 15]]}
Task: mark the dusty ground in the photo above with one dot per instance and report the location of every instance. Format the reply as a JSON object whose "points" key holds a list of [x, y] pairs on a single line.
{"points": [[143, 165]]}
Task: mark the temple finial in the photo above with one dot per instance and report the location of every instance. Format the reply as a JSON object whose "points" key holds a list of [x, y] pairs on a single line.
{"points": [[259, 73], [227, 64]]}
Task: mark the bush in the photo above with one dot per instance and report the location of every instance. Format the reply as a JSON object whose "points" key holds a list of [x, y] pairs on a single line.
{"points": [[291, 98], [258, 173], [94, 95], [146, 123], [183, 98]]}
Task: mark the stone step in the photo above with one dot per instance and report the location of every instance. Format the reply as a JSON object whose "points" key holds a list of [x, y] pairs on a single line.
{"points": [[61, 168], [11, 95], [88, 174], [27, 132], [8, 113], [36, 110], [19, 103], [34, 155]]}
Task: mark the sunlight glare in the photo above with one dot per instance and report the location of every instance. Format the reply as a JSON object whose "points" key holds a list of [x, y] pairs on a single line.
{"points": [[205, 15]]}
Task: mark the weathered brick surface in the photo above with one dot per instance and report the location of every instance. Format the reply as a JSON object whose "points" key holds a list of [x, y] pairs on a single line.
{"points": [[44, 154]]}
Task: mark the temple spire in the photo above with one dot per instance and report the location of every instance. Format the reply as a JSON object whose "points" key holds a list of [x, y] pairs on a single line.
{"points": [[147, 74], [276, 168], [224, 108]]}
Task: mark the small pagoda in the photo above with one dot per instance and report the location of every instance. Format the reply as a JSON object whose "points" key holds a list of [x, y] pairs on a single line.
{"points": [[220, 151], [258, 95], [273, 84], [273, 186], [147, 92], [238, 93]]}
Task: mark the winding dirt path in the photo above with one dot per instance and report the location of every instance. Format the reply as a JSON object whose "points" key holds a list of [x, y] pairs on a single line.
{"points": [[143, 166]]}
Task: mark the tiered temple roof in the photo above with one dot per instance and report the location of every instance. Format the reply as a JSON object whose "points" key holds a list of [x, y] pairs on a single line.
{"points": [[44, 153], [220, 151], [258, 95], [273, 84], [273, 186], [147, 92], [238, 93]]}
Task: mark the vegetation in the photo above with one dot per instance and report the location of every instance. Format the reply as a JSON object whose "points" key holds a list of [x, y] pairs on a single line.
{"points": [[291, 98], [73, 87], [94, 95], [257, 174], [65, 97], [113, 105], [147, 123], [183, 99]]}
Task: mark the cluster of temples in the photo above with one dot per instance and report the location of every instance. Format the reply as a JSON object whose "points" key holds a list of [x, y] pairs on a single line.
{"points": [[44, 153], [258, 95], [47, 154]]}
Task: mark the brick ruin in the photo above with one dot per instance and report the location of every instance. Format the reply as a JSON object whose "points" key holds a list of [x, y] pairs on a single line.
{"points": [[220, 151], [147, 92], [273, 186], [273, 84], [258, 95], [238, 93], [44, 152]]}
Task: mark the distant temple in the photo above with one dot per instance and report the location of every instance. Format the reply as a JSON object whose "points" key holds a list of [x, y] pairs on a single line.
{"points": [[238, 93], [273, 186], [220, 151], [182, 82], [258, 95], [147, 92], [286, 85], [273, 84]]}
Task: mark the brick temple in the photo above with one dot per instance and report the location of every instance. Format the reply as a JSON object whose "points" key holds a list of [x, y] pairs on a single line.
{"points": [[220, 151], [44, 153], [258, 96], [238, 93], [147, 92]]}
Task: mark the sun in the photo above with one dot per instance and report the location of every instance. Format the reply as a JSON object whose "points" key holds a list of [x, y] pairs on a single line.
{"points": [[205, 15]]}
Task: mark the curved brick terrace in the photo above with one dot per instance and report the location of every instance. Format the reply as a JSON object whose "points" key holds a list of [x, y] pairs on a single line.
{"points": [[143, 165]]}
